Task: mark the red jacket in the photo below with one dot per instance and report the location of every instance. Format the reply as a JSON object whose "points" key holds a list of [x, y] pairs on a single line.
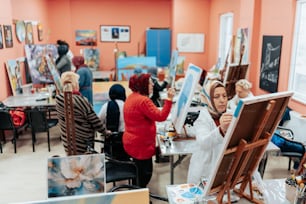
{"points": [[140, 115]]}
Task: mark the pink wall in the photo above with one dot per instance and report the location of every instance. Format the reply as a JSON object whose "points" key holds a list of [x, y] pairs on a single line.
{"points": [[82, 15], [62, 17], [34, 10], [192, 16]]}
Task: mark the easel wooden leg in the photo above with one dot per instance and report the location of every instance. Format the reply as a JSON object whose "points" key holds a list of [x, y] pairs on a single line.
{"points": [[301, 166]]}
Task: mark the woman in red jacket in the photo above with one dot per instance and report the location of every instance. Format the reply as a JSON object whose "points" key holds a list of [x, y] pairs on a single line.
{"points": [[140, 115]]}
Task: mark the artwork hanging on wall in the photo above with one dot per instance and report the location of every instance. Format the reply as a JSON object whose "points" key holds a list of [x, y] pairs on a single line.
{"points": [[1, 38], [8, 36], [270, 61], [40, 31], [115, 33], [76, 175], [190, 42], [35, 54], [14, 75], [92, 58], [86, 37], [20, 31], [29, 33]]}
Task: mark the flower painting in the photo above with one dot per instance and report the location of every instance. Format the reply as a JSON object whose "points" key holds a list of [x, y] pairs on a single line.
{"points": [[76, 175]]}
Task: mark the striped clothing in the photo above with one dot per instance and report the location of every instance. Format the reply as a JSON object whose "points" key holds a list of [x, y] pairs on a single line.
{"points": [[86, 122]]}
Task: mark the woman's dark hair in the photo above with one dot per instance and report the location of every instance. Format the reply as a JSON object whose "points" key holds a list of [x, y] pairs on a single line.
{"points": [[116, 91], [62, 49]]}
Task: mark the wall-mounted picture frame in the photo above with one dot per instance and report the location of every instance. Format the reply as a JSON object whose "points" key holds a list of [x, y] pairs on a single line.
{"points": [[113, 33], [270, 62], [190, 42], [40, 31], [20, 31], [29, 34], [1, 38], [8, 36], [86, 37]]}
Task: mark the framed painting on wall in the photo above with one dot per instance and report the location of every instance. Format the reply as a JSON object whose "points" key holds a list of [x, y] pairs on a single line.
{"points": [[29, 33], [1, 38], [20, 31], [8, 36], [270, 61], [115, 33], [40, 31], [86, 37]]}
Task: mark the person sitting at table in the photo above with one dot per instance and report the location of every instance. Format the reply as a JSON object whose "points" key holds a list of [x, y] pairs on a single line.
{"points": [[157, 87], [86, 121], [243, 90], [111, 114], [140, 115], [86, 78], [209, 130]]}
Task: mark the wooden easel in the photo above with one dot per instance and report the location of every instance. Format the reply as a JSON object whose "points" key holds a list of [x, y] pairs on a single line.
{"points": [[302, 166], [234, 74], [243, 153], [69, 119], [245, 144]]}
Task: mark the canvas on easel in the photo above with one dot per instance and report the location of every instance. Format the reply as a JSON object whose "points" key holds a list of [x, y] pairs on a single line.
{"points": [[254, 122], [172, 66], [234, 74], [35, 54], [55, 75], [184, 99]]}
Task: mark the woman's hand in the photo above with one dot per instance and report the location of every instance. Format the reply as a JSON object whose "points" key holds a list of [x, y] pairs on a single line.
{"points": [[170, 94], [225, 121]]}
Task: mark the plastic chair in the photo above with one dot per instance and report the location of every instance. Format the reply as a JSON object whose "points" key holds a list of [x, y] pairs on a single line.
{"points": [[7, 124], [39, 122]]}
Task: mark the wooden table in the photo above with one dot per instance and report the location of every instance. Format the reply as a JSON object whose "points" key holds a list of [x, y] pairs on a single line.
{"points": [[182, 148]]}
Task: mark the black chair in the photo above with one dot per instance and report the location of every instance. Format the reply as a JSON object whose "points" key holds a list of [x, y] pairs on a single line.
{"points": [[7, 124], [38, 122], [117, 168]]}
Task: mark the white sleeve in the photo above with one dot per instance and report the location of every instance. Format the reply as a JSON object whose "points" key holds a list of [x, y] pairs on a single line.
{"points": [[207, 133], [102, 113]]}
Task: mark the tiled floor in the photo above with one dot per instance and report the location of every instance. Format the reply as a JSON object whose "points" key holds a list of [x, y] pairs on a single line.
{"points": [[23, 176]]}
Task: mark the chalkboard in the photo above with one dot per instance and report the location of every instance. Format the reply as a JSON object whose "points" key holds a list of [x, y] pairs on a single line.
{"points": [[270, 61]]}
